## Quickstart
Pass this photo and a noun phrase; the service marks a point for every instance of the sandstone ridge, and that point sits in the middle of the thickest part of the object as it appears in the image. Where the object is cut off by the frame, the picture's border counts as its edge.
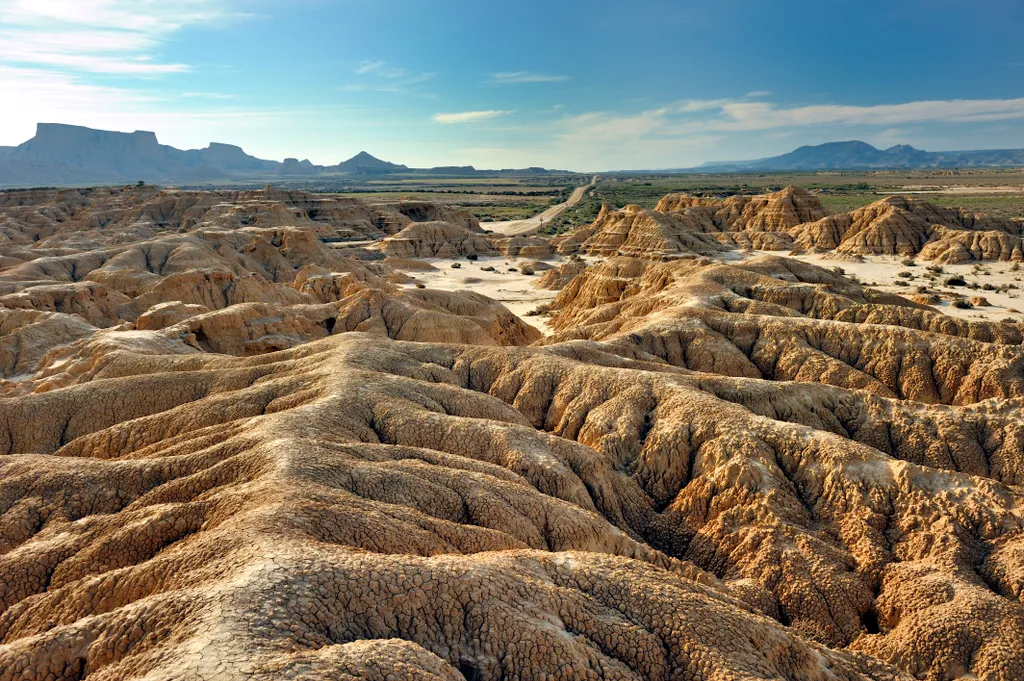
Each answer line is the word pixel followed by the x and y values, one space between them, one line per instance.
pixel 241 439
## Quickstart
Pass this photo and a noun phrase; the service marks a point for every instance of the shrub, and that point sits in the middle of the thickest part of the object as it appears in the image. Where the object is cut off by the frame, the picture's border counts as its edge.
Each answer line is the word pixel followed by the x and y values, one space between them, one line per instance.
pixel 962 304
pixel 937 269
pixel 472 256
pixel 905 275
pixel 988 287
pixel 909 262
pixel 956 280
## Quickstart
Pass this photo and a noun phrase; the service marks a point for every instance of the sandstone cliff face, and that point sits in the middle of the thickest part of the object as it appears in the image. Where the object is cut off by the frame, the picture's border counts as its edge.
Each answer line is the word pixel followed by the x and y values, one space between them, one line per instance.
pixel 903 226
pixel 778 319
pixel 558 278
pixel 308 508
pixel 684 225
pixel 221 286
pixel 793 218
pixel 448 240
pixel 45 218
pixel 776 212
pixel 436 240
pixel 643 233
pixel 955 246
pixel 229 451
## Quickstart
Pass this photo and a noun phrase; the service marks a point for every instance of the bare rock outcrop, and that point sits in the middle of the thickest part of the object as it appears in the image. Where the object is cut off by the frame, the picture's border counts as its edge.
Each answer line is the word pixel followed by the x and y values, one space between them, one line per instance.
pixel 232 447
pixel 775 212
pixel 903 226
pixel 436 240
pixel 778 319
pixel 642 233
pixel 558 278
pixel 956 246
pixel 656 515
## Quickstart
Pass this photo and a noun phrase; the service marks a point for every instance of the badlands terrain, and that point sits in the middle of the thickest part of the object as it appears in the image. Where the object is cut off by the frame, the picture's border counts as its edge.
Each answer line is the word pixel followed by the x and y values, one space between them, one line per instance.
pixel 276 435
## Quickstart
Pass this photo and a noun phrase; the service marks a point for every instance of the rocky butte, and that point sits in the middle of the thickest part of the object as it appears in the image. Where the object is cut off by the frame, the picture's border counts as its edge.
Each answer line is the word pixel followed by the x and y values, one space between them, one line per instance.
pixel 249 435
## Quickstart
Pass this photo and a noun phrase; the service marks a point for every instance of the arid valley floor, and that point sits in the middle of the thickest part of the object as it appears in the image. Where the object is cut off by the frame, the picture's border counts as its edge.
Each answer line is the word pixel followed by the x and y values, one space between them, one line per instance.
pixel 273 434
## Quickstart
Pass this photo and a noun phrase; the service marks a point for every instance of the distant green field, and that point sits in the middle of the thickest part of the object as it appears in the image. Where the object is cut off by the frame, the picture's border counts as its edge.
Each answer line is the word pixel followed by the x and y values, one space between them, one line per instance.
pixel 838 192
pixel 508 197
pixel 489 198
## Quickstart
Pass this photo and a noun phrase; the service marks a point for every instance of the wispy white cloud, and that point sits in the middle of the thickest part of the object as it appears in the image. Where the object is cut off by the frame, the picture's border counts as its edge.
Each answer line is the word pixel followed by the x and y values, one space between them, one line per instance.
pixel 758 94
pixel 207 95
pixel 120 37
pixel 145 16
pixel 380 68
pixel 514 77
pixel 765 116
pixel 468 116
pixel 681 134
pixel 719 116
pixel 692 105
pixel 382 76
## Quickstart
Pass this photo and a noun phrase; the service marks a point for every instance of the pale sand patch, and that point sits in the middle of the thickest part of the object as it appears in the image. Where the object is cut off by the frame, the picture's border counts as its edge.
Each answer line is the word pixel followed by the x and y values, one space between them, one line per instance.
pixel 515 290
pixel 880 271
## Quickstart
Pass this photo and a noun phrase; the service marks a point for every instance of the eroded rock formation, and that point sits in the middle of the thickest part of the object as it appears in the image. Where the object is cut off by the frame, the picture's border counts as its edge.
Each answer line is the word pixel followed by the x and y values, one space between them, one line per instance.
pixel 230 450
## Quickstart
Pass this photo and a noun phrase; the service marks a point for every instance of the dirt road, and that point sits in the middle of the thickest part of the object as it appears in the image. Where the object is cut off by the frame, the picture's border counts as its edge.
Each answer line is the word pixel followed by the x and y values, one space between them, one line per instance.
pixel 531 225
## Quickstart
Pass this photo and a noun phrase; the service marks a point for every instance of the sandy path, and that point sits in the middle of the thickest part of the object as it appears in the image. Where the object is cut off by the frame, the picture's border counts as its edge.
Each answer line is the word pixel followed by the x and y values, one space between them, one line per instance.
pixel 531 225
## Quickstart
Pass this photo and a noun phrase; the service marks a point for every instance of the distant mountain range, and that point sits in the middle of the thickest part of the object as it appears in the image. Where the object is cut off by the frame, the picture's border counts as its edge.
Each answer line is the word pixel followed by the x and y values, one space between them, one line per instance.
pixel 856 155
pixel 71 155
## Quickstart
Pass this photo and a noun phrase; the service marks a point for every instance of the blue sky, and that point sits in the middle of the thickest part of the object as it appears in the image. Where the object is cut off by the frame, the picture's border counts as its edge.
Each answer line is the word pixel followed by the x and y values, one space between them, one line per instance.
pixel 592 85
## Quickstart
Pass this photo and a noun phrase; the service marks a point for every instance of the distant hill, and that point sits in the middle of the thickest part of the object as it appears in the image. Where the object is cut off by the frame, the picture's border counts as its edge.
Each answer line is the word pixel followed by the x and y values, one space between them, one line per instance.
pixel 364 163
pixel 855 155
pixel 73 155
